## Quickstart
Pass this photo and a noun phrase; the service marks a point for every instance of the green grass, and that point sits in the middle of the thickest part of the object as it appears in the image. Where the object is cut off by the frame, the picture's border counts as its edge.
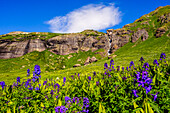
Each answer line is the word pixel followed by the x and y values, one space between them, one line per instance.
pixel 150 49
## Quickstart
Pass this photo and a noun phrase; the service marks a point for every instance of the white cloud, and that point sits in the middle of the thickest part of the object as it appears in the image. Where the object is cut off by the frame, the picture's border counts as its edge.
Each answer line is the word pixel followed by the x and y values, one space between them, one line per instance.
pixel 92 16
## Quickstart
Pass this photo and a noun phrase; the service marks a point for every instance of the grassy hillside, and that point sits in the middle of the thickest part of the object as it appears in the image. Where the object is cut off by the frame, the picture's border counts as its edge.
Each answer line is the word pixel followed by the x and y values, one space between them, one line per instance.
pixel 52 65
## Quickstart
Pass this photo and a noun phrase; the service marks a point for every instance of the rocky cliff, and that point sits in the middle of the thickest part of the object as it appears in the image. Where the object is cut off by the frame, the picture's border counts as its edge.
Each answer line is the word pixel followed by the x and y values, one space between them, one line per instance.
pixel 62 45
pixel 154 24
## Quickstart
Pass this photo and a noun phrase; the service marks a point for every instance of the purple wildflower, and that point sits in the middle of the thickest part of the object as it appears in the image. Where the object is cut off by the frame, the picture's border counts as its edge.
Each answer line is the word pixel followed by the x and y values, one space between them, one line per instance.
pixel 31 88
pixel 44 82
pixel 131 63
pixel 122 68
pixel 64 80
pixel 89 78
pixel 134 92
pixel 105 65
pixel 97 83
pixel 163 55
pixel 18 79
pixel 148 89
pixel 155 96
pixel 111 62
pixel 2 84
pixel 67 99
pixel 28 72
pixel 142 59
pixel 85 102
pixel 74 100
pixel 145 65
pixel 155 62
pixel 37 88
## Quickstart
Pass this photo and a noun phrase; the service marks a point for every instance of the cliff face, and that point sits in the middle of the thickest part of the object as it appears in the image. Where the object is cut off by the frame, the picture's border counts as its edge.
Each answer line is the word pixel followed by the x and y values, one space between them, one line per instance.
pixel 62 45
pixel 154 24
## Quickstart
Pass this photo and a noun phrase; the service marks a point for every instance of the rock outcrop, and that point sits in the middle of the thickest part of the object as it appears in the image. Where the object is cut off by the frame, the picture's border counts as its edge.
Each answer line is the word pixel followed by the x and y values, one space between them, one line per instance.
pixel 118 38
pixel 142 33
pixel 90 60
pixel 62 45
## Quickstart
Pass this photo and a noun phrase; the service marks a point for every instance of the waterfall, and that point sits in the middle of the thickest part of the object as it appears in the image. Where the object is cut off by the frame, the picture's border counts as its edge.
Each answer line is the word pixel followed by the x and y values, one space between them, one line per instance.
pixel 109 47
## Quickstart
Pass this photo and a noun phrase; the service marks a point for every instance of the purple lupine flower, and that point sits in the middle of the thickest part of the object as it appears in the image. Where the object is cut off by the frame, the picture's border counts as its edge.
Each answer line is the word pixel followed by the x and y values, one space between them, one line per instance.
pixel 105 73
pixel 148 81
pixel 14 84
pixel 155 96
pixel 18 79
pixel 145 65
pixel 29 80
pixel 163 55
pixel 56 97
pixel 138 75
pixel 44 82
pixel 64 80
pixel 131 63
pixel 72 76
pixel 74 100
pixel 122 68
pixel 155 62
pixel 85 102
pixel 112 67
pixel 105 65
pixel 28 72
pixel 57 109
pixel 124 78
pixel 37 88
pixel 31 88
pixel 39 85
pixel 89 78
pixel 52 92
pixel 111 62
pixel 148 89
pixel 33 79
pixel 2 84
pixel 94 73
pixel 97 83
pixel 63 109
pixel 127 69
pixel 85 110
pixel 78 75
pixel 142 59
pixel 134 92
pixel 118 68
pixel 67 99
pixel 141 83
pixel 37 70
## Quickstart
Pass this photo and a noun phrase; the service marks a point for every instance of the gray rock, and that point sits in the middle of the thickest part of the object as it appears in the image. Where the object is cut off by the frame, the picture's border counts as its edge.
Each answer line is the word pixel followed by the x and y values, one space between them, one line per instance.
pixel 143 34
pixel 93 59
pixel 77 65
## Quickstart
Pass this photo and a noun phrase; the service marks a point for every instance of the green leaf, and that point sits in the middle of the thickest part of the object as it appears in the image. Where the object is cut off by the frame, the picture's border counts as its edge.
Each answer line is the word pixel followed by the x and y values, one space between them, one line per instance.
pixel 150 109
pixel 154 107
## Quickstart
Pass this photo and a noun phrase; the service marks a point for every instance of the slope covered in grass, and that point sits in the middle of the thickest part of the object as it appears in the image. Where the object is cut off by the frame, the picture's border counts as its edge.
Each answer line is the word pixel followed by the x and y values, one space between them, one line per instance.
pixel 52 65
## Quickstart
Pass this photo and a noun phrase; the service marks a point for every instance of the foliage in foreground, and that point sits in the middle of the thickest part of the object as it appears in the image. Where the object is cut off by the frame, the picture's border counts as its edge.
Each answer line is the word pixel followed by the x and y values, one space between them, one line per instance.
pixel 142 88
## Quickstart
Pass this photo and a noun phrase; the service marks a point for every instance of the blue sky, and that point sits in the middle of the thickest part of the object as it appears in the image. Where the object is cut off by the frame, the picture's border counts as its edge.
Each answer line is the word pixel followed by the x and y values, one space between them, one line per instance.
pixel 71 15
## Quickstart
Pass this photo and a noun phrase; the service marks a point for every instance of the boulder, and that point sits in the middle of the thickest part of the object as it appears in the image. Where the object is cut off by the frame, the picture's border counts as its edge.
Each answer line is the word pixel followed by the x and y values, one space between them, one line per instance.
pixel 77 65
pixel 93 59
pixel 87 61
pixel 160 31
pixel 141 33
